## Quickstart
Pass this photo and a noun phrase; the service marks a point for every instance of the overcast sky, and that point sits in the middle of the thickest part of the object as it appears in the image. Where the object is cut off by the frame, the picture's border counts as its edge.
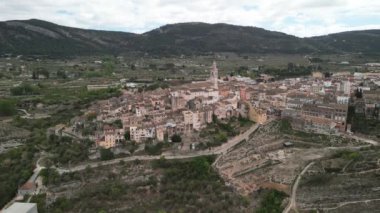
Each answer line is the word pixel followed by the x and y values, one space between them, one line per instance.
pixel 296 17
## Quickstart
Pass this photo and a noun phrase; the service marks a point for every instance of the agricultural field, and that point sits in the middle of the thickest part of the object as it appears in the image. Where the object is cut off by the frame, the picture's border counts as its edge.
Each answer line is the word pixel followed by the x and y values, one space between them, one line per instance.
pixel 265 162
pixel 348 181
pixel 145 68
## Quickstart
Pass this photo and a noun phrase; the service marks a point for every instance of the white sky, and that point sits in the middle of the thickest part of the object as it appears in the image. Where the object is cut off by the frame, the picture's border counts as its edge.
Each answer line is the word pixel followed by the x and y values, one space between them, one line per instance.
pixel 296 17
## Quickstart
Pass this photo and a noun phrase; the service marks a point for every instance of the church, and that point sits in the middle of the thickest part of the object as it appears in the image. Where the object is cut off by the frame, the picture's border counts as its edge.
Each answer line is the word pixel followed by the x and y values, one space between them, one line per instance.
pixel 205 92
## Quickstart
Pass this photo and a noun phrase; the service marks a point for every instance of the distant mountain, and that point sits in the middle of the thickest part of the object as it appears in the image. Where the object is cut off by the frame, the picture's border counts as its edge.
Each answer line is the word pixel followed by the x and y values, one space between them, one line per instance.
pixel 365 41
pixel 41 37
pixel 201 37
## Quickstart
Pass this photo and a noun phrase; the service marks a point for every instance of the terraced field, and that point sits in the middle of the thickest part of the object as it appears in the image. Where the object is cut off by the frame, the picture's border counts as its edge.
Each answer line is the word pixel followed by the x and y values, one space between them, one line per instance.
pixel 345 183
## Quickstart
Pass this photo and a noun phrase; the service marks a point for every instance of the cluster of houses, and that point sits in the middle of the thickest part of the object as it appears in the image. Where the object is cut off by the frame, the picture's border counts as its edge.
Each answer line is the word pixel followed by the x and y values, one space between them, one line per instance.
pixel 161 113
pixel 315 103
pixel 321 104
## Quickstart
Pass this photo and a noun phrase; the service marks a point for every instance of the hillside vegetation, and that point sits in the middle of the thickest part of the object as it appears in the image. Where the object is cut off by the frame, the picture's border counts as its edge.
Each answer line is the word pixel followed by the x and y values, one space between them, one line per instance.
pixel 41 37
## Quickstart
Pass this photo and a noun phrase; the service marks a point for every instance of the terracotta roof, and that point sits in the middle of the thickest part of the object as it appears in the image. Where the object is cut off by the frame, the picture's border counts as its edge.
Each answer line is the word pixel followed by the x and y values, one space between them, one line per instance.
pixel 108 127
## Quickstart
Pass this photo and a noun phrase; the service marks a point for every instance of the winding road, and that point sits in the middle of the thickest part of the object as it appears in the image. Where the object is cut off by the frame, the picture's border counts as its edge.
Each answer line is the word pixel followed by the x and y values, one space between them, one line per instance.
pixel 292 204
pixel 224 148
pixel 216 151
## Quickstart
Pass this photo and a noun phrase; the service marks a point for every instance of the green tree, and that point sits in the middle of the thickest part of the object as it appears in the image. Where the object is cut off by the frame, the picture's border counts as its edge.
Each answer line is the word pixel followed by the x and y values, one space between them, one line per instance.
pixel 61 74
pixel 272 202
pixel 201 166
pixel 127 136
pixel 7 107
pixel 106 154
pixel 154 149
pixel 214 118
pixel 49 176
pixel 176 138
pixel 118 124
pixel 34 75
pixel 221 138
pixel 109 66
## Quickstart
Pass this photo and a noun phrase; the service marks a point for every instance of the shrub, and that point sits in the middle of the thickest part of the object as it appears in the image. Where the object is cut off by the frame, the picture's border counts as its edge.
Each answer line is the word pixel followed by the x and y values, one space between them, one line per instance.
pixel 285 126
pixel 24 89
pixel 7 107
pixel 118 124
pixel 154 149
pixel 221 138
pixel 272 202
pixel 348 155
pixel 106 154
pixel 49 176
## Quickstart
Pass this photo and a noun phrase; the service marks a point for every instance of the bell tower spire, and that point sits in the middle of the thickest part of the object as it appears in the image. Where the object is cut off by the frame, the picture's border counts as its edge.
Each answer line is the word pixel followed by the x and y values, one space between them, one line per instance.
pixel 214 75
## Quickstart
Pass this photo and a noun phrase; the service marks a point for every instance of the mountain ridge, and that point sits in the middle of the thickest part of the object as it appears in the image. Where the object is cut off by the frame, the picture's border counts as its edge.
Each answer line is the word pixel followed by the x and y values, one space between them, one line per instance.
pixel 35 36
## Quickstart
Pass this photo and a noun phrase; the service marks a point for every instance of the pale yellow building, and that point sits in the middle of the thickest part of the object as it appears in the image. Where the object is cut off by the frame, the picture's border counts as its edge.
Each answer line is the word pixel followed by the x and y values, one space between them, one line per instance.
pixel 317 74
pixel 257 115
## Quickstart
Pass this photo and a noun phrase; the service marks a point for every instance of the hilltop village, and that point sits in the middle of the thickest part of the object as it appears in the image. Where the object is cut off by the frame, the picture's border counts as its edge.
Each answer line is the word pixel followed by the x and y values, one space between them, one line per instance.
pixel 173 106
pixel 319 103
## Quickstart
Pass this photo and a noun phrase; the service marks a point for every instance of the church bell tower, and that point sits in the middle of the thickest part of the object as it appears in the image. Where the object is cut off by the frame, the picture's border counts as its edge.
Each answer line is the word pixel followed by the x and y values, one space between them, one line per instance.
pixel 214 75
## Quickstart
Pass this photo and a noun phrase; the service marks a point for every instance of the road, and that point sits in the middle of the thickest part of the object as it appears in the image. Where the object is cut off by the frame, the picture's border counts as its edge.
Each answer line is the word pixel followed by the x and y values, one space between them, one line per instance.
pixel 32 179
pixel 216 151
pixel 235 140
pixel 24 111
pixel 341 204
pixel 366 140
pixel 129 159
pixel 292 203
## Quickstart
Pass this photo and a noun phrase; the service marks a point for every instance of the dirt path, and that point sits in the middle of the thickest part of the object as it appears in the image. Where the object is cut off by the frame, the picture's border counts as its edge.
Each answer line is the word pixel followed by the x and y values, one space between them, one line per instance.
pixel 344 204
pixel 292 204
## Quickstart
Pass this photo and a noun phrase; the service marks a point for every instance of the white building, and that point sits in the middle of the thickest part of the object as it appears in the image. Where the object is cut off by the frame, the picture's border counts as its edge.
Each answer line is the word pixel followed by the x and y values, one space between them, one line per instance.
pixel 342 99
pixel 327 83
pixel 140 111
pixel 347 87
pixel 22 208
pixel 139 134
